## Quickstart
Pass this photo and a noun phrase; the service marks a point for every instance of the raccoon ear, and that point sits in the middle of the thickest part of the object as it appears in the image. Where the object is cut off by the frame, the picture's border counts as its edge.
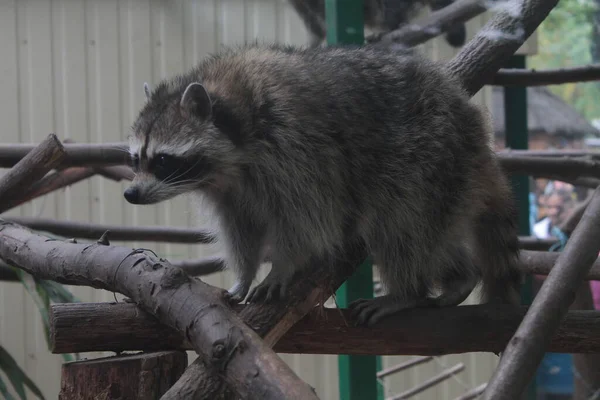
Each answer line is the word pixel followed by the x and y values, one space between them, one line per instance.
pixel 195 101
pixel 147 91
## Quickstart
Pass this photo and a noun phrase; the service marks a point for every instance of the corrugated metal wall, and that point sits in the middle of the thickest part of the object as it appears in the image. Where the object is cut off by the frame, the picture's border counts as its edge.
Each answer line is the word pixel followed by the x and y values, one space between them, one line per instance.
pixel 76 67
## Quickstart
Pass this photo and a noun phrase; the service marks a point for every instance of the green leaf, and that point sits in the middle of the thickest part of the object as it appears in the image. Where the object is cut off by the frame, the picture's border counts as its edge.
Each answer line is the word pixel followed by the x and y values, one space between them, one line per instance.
pixel 57 292
pixel 17 376
pixel 42 291
pixel 4 390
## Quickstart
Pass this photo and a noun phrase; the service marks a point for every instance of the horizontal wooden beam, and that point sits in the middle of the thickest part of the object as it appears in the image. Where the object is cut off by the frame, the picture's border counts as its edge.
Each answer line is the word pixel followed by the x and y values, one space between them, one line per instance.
pixel 83 327
pixel 86 230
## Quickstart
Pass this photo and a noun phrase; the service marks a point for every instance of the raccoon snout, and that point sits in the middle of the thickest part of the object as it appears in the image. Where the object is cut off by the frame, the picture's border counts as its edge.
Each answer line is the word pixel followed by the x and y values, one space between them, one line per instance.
pixel 132 195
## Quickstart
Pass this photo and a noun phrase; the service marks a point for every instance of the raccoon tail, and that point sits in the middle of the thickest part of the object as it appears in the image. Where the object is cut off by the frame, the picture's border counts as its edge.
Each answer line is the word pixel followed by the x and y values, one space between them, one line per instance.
pixel 497 246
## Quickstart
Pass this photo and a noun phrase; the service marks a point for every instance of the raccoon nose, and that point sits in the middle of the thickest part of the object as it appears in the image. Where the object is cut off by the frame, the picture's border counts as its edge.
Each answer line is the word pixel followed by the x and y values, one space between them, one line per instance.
pixel 132 195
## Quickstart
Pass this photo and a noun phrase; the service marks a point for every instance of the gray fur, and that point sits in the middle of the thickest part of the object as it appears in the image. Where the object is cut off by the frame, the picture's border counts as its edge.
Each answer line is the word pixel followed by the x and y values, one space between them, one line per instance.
pixel 379 16
pixel 305 149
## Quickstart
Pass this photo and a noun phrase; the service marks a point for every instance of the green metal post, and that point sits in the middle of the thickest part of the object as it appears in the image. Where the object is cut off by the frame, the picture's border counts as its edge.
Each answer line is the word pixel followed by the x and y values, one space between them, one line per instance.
pixel 517 137
pixel 357 374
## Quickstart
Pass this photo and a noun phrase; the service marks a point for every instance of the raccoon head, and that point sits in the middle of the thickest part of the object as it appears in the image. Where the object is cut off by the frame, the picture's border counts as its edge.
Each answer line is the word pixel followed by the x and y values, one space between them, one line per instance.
pixel 176 146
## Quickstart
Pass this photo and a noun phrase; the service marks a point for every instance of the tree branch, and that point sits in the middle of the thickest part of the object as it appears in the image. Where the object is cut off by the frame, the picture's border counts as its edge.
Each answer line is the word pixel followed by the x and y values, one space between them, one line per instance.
pixel 566 167
pixel 194 267
pixel 33 166
pixel 435 24
pixel 480 59
pixel 429 331
pixel 77 154
pixel 192 307
pixel 531 77
pixel 83 230
pixel 524 352
pixel 66 177
pixel 562 153
pixel 317 283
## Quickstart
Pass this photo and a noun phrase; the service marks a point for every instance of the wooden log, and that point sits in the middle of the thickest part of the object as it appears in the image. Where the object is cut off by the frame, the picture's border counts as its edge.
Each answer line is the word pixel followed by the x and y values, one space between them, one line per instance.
pixel 223 341
pixel 136 376
pixel 33 166
pixel 83 327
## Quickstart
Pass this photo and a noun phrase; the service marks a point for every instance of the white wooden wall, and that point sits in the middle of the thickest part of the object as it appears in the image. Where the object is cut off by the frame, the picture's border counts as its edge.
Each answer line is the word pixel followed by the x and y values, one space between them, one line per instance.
pixel 76 68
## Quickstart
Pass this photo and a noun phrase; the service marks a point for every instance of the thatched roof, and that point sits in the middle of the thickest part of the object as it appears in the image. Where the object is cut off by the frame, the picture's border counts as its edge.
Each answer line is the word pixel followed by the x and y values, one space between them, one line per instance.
pixel 547 113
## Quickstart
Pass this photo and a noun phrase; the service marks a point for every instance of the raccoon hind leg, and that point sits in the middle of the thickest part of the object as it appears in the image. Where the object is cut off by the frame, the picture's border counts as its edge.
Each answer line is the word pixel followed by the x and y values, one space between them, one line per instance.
pixel 457 277
pixel 400 263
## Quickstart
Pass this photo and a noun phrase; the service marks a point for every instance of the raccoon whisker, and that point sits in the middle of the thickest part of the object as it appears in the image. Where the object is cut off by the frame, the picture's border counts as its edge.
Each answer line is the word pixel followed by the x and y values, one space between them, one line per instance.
pixel 167 180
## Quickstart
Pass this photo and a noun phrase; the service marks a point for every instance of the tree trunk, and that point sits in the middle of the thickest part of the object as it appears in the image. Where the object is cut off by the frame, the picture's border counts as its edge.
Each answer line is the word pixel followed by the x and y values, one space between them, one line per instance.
pixel 137 376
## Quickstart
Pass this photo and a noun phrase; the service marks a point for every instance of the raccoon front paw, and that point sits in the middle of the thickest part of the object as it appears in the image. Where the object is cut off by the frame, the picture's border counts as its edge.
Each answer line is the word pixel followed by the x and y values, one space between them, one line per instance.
pixel 368 312
pixel 270 289
pixel 237 293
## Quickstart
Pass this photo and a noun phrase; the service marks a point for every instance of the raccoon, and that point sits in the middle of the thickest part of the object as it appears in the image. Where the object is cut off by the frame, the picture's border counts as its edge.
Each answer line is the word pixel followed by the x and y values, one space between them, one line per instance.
pixel 379 16
pixel 302 150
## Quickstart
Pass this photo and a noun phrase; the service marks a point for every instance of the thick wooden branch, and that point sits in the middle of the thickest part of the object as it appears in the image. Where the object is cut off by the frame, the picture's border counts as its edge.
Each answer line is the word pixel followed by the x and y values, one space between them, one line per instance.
pixel 193 267
pixel 225 343
pixel 272 320
pixel 553 167
pixel 526 349
pixel 81 230
pixel 77 154
pixel 463 329
pixel 510 26
pixel 588 154
pixel 531 77
pixel 123 327
pixel 31 167
pixel 435 24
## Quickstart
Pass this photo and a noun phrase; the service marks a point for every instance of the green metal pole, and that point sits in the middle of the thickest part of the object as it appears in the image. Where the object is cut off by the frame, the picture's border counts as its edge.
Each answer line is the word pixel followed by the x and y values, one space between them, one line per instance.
pixel 357 374
pixel 517 137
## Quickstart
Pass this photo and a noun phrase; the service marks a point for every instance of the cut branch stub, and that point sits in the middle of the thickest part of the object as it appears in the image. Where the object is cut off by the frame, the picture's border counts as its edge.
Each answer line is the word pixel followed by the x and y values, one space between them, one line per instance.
pixel 34 165
pixel 189 305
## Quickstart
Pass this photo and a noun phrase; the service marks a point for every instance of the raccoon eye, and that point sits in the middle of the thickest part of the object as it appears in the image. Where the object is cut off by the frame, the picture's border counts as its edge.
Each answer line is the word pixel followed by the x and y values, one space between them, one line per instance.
pixel 163 165
pixel 162 161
